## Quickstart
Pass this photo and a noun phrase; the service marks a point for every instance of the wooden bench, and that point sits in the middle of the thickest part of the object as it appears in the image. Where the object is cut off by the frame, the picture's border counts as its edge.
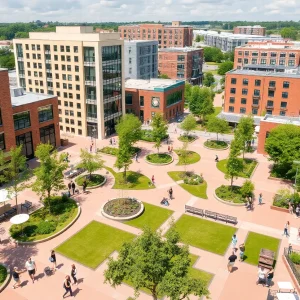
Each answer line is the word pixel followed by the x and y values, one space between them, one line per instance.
pixel 27 205
pixel 210 214
pixel 232 219
pixel 194 210
pixel 222 217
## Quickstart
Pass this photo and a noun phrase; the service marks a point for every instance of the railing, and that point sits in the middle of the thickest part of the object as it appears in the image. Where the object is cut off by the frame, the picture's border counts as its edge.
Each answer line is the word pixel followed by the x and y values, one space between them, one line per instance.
pixel 291 264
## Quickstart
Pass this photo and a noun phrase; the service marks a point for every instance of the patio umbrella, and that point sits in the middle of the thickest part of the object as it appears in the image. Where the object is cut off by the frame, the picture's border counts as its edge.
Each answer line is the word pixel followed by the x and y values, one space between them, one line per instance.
pixel 4 196
pixel 19 220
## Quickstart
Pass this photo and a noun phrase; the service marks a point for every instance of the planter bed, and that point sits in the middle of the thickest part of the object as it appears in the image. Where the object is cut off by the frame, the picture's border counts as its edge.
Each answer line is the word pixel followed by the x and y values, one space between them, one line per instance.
pixel 95 181
pixel 233 196
pixel 187 138
pixel 216 145
pixel 147 136
pixel 114 151
pixel 159 159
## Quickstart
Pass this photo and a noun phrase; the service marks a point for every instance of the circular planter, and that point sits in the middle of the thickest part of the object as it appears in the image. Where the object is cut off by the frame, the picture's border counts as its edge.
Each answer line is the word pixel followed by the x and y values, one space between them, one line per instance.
pixel 159 164
pixel 123 218
pixel 95 186
pixel 192 141
pixel 7 279
pixel 215 149
pixel 227 202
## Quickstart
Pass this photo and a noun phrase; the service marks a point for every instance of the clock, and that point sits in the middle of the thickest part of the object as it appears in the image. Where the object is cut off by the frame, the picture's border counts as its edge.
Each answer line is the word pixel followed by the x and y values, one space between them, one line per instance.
pixel 155 102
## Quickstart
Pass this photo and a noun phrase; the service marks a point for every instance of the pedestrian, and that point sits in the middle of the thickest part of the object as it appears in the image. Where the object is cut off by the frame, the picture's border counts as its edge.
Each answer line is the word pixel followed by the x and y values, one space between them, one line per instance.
pixel 217 158
pixel 114 141
pixel 290 249
pixel 261 275
pixel 234 242
pixel 169 149
pixel 153 180
pixel 67 286
pixel 70 185
pixel 270 276
pixel 260 199
pixel 297 211
pixel 73 187
pixel 286 229
pixel 290 208
pixel 253 142
pixel 16 277
pixel 136 157
pixel 231 260
pixel 242 251
pixel 250 203
pixel 110 141
pixel 91 148
pixel 175 131
pixel 31 268
pixel 84 185
pixel 170 193
pixel 52 259
pixel 74 274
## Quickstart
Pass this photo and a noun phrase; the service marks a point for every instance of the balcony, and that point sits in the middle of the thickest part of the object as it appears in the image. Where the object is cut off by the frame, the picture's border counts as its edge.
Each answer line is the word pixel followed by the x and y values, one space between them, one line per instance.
pixel 112 98
pixel 50 88
pixel 22 75
pixel 48 61
pixel 91 101
pixel 91 118
pixel 49 79
pixel 49 71
pixel 90 80
pixel 283 108
pixel 269 106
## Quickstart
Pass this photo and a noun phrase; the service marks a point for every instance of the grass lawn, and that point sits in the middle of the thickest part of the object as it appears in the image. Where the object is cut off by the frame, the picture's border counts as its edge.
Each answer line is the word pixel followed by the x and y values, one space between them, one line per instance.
pixel 249 166
pixel 214 72
pixel 192 158
pixel 203 234
pixel 135 181
pixel 176 175
pixel 114 151
pixel 212 63
pixel 93 244
pixel 255 242
pixel 186 138
pixel 159 158
pixel 153 217
pixel 214 144
pixel 95 180
pixel 3 274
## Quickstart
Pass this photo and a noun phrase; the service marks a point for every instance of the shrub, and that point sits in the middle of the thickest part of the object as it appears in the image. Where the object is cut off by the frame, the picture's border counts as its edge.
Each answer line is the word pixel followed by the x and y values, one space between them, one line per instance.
pixel 247 188
pixel 230 194
pixel 94 180
pixel 193 179
pixel 45 227
pixel 282 198
pixel 295 258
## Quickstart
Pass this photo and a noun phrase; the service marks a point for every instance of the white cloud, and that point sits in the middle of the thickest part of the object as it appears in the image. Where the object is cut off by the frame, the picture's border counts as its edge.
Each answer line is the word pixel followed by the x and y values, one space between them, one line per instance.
pixel 253 9
pixel 168 2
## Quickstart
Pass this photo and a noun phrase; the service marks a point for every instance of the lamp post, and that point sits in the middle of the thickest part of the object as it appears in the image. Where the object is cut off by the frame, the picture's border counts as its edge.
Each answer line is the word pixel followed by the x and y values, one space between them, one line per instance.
pixel 296 162
pixel 94 134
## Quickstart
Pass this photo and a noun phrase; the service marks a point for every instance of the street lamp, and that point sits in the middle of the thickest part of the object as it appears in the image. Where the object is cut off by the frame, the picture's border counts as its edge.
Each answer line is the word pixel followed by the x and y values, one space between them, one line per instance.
pixel 296 162
pixel 94 134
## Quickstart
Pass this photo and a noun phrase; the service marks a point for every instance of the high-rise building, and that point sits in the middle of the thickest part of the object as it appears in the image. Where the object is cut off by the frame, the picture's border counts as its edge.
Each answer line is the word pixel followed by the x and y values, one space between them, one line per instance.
pixel 141 59
pixel 181 63
pixel 83 68
pixel 175 35
pixel 251 30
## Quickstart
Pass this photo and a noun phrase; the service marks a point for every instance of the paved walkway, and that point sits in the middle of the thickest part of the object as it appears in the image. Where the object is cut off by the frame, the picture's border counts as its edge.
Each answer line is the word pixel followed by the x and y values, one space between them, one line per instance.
pixel 238 285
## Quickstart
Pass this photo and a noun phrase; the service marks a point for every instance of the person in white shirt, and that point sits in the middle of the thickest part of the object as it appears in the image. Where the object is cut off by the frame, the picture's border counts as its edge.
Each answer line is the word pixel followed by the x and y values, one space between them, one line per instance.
pixel 261 275
pixel 31 268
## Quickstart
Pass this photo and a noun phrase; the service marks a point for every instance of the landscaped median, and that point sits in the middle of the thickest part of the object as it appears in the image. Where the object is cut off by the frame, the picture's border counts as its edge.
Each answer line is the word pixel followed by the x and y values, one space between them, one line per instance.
pixel 216 145
pixel 4 276
pixel 192 183
pixel 159 159
pixel 231 195
pixel 147 136
pixel 187 138
pixel 249 167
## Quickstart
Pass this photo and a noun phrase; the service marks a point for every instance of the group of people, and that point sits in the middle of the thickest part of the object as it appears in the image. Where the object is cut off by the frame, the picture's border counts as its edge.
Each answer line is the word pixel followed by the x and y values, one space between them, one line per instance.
pixel 112 141
pixel 31 268
pixel 233 257
pixel 265 276
pixel 72 187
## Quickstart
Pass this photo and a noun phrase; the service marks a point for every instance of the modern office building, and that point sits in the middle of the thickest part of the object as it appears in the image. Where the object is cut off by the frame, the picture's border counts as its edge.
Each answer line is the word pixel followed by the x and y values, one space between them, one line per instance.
pixel 181 63
pixel 259 93
pixel 175 35
pixel 141 59
pixel 26 119
pixel 228 41
pixel 267 56
pixel 83 68
pixel 145 98
pixel 250 30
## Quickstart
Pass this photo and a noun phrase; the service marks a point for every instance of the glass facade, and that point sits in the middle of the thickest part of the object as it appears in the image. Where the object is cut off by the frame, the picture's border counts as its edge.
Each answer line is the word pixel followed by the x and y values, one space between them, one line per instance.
pixel 26 140
pixel 45 113
pixel 2 141
pixel 174 98
pixel 89 54
pixel 47 135
pixel 22 120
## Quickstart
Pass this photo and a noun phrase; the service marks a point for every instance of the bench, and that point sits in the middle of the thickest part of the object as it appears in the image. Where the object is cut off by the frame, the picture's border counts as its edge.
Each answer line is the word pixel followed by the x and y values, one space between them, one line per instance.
pixel 222 217
pixel 232 219
pixel 210 214
pixel 194 210
pixel 10 212
pixel 27 205
pixel 2 218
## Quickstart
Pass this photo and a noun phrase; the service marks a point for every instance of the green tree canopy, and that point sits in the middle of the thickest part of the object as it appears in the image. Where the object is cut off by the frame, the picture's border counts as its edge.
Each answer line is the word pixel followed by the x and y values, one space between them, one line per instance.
pixel 217 125
pixel 198 38
pixel 289 32
pixel 224 67
pixel 188 124
pixel 233 167
pixel 209 79
pixel 90 162
pixel 245 131
pixel 7 59
pixel 157 264
pixel 159 129
pixel 187 92
pixel 213 54
pixel 163 76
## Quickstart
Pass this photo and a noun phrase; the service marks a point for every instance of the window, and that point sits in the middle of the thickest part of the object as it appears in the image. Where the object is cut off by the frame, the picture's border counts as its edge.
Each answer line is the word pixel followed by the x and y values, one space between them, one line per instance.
pixel 47 135
pixel 269 112
pixel 171 99
pixel 63 58
pixel 254 61
pixel 79 114
pixel 45 113
pixel 70 96
pixel 285 95
pixel 254 111
pixel 243 101
pixel 79 123
pixel 141 100
pixel 283 105
pixel 128 99
pixel 232 91
pixel 76 77
pixel 282 113
pixel 245 81
pixel 246 60
pixel 244 91
pixel 242 110
pixel 239 60
pixel 233 80
pixel 78 106
pixel 2 141
pixel 264 54
pixel 68 48
pixel 77 87
pixel 76 58
pixel 75 48
pixel 77 96
pixel 263 61
pixel 69 68
pixel 257 82
pixel 270 103
pixel 231 108
pixel 246 53
pixel 231 100
pixel 32 47
pixel 273 54
pixel 271 93
pixel 272 62
pixel 291 63
pixel 76 68
pixel 62 48
pixel 130 60
pixel 55 47
pixel 286 85
pixel 292 55
pixel 255 102
pixel 66 103
pixel 57 85
pixel 281 62
pixel 257 93
pixel 22 120
pixel 282 54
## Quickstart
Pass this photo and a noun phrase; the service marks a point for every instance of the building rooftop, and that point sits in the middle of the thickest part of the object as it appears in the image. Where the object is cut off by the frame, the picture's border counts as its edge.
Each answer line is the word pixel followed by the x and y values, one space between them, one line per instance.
pixel 293 73
pixel 128 42
pixel 282 120
pixel 19 97
pixel 287 46
pixel 152 84
pixel 235 118
pixel 254 26
pixel 178 49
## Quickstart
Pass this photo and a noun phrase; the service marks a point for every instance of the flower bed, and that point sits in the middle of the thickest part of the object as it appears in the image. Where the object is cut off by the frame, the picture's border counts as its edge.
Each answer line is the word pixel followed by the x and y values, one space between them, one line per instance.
pixel 217 145
pixel 230 194
pixel 92 181
pixel 193 179
pixel 159 158
pixel 147 136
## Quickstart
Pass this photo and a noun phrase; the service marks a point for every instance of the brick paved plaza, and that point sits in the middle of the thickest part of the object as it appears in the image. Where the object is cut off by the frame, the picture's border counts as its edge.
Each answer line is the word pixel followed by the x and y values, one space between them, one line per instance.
pixel 241 284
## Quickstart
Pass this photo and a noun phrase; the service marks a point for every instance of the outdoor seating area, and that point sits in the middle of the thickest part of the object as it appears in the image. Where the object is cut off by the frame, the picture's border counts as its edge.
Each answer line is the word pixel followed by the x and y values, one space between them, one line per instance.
pixel 27 205
pixel 73 172
pixel 285 291
pixel 8 214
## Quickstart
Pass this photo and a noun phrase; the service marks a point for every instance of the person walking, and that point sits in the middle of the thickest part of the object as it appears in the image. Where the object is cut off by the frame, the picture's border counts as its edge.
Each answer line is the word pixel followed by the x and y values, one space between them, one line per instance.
pixel 270 276
pixel 297 211
pixel 110 141
pixel 286 229
pixel 153 180
pixel 234 242
pixel 290 249
pixel 70 186
pixel 290 208
pixel 91 148
pixel 170 193
pixel 16 277
pixel 261 275
pixel 73 187
pixel 67 286
pixel 84 185
pixel 52 259
pixel 242 251
pixel 31 268
pixel 217 158
pixel 260 199
pixel 231 260
pixel 74 274
pixel 169 149
pixel 136 157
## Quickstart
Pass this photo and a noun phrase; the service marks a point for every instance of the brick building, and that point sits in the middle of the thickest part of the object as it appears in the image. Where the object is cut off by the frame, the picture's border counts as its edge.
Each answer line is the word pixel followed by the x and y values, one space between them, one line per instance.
pixel 175 35
pixel 252 30
pixel 259 93
pixel 27 118
pixel 181 63
pixel 267 56
pixel 144 98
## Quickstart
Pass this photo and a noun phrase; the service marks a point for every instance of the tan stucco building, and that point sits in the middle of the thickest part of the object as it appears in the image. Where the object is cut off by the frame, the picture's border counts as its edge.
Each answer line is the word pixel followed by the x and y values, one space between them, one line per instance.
pixel 83 68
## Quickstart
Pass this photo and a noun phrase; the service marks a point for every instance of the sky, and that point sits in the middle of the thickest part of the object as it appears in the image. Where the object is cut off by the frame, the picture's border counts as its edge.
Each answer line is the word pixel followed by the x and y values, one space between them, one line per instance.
pixel 148 10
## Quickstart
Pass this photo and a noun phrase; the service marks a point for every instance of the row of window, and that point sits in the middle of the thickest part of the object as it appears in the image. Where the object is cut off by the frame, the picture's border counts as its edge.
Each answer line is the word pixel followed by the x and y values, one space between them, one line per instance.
pixel 70 113
pixel 263 61
pixel 272 54
pixel 254 111
pixel 69 104
pixel 70 121
pixel 256 93
pixel 257 82
pixel 270 103
pixel 70 129
pixel 170 31
pixel 62 48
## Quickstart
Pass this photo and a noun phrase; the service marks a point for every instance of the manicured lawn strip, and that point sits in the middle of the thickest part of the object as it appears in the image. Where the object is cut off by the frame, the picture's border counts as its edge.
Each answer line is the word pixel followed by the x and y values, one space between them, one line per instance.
pixel 153 217
pixel 196 190
pixel 3 274
pixel 192 158
pixel 186 138
pixel 176 175
pixel 212 63
pixel 249 166
pixel 255 242
pixel 93 244
pixel 159 158
pixel 95 179
pixel 214 144
pixel 203 234
pixel 135 181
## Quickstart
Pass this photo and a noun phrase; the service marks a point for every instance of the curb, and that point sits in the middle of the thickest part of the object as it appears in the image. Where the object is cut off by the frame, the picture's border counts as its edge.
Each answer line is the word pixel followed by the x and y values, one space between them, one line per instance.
pixel 8 278
pixel 222 149
pixel 254 170
pixel 282 209
pixel 52 236
pixel 227 202
pixel 280 179
pixel 162 164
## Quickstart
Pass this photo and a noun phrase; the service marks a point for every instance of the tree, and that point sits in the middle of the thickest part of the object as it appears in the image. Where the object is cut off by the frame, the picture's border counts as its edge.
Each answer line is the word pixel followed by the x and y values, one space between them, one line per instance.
pixel 16 172
pixel 159 129
pixel 236 147
pixel 229 56
pixel 247 188
pixel 7 59
pixel 157 264
pixel 217 125
pixel 225 67
pixel 49 174
pixel 90 162
pixel 212 54
pixel 201 102
pixel 22 35
pixel 163 76
pixel 124 157
pixel 187 92
pixel 233 167
pixel 245 131
pixel 198 38
pixel 188 124
pixel 289 32
pixel 184 154
pixel 209 79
